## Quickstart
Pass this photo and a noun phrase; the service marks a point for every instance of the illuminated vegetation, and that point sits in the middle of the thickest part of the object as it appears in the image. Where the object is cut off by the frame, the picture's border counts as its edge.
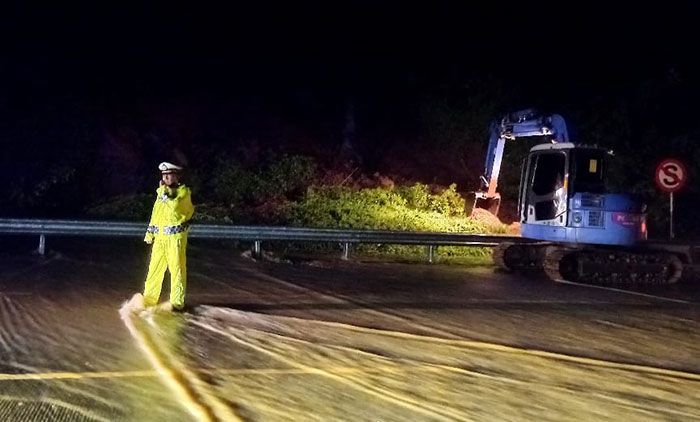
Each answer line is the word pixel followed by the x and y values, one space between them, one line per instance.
pixel 285 192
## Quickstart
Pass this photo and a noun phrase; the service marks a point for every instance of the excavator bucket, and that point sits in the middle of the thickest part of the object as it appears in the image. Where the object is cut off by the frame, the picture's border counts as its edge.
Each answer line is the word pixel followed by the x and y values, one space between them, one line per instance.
pixel 490 203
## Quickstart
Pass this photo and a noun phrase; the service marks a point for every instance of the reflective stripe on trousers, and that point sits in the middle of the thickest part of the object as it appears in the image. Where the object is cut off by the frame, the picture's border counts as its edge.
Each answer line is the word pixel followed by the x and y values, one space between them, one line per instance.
pixel 168 252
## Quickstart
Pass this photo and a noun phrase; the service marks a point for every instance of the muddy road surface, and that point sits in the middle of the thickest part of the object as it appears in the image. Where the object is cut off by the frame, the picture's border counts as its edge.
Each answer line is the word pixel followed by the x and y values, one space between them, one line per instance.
pixel 327 340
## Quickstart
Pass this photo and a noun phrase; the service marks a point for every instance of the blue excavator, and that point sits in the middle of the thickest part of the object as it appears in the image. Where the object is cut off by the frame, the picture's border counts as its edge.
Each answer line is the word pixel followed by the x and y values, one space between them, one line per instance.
pixel 572 226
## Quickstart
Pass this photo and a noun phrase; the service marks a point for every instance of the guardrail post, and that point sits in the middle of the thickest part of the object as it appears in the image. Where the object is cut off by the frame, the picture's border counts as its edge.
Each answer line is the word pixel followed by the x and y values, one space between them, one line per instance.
pixel 257 249
pixel 346 251
pixel 431 253
pixel 42 245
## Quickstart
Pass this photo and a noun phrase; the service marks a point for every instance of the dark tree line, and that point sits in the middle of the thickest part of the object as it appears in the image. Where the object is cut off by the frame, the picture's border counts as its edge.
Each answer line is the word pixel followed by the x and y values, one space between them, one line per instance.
pixel 63 153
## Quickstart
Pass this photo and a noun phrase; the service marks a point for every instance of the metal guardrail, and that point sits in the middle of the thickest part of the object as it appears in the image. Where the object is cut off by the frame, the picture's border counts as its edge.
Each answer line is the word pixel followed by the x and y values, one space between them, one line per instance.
pixel 255 234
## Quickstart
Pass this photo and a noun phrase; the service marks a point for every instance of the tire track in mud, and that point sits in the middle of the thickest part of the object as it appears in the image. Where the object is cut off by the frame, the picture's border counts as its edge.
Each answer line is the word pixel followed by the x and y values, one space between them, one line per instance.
pixel 36 324
pixel 29 322
pixel 629 292
pixel 11 338
pixel 355 383
pixel 228 286
pixel 28 409
pixel 44 325
pixel 447 335
pixel 281 329
pixel 460 334
pixel 33 266
pixel 342 300
pixel 193 392
pixel 567 390
pixel 406 366
pixel 34 332
pixel 461 343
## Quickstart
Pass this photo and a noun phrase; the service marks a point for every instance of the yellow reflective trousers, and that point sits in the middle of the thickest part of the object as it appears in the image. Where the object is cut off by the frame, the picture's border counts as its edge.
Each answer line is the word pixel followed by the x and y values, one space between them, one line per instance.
pixel 167 231
pixel 168 253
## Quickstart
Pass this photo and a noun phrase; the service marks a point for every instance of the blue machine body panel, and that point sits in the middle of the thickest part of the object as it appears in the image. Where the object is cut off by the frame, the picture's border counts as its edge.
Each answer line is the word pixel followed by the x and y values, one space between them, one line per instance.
pixel 602 219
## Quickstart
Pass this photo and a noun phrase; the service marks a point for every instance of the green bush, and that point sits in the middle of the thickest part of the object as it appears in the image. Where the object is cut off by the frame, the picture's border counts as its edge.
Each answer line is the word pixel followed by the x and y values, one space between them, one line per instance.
pixel 244 196
pixel 211 213
pixel 286 176
pixel 289 174
pixel 448 202
pixel 416 196
pixel 230 183
pixel 404 208
pixel 408 209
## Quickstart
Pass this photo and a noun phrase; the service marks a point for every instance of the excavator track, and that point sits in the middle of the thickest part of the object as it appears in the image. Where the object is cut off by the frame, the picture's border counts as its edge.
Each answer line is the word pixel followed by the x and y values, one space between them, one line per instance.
pixel 611 267
pixel 511 256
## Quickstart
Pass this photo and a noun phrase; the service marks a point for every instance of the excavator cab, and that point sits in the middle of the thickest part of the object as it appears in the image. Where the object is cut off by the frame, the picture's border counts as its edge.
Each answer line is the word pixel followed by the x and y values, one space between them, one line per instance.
pixel 564 197
pixel 543 197
pixel 552 173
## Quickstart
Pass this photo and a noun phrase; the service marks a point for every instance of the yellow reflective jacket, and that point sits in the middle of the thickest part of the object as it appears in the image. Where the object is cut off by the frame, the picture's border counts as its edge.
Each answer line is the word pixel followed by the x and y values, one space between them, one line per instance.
pixel 173 207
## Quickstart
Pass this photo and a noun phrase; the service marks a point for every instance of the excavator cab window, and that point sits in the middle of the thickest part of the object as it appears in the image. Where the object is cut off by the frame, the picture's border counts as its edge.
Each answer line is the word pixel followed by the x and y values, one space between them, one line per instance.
pixel 588 169
pixel 547 194
pixel 549 173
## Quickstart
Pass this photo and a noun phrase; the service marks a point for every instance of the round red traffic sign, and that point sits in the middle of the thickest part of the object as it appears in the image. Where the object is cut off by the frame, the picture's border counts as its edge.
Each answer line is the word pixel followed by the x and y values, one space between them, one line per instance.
pixel 671 175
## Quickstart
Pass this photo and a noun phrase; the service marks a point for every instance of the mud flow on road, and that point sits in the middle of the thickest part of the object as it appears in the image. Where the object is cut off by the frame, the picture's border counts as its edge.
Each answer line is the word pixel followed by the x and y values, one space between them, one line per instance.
pixel 333 340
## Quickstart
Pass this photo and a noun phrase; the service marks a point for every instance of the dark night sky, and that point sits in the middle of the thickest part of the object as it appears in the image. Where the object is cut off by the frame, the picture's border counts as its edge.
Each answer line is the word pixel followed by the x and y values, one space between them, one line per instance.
pixel 554 50
pixel 113 89
pixel 300 63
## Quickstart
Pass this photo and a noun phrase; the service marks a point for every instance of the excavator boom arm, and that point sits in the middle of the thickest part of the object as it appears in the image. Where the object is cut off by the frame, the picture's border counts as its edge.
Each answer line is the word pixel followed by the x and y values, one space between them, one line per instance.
pixel 521 124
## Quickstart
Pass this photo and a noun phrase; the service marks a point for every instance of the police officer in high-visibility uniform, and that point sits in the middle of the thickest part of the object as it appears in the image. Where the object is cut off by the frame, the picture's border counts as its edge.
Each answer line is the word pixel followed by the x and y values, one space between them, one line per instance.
pixel 167 231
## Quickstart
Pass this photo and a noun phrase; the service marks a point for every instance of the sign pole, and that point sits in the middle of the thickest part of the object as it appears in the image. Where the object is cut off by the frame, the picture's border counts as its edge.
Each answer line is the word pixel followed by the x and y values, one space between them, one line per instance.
pixel 671 219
